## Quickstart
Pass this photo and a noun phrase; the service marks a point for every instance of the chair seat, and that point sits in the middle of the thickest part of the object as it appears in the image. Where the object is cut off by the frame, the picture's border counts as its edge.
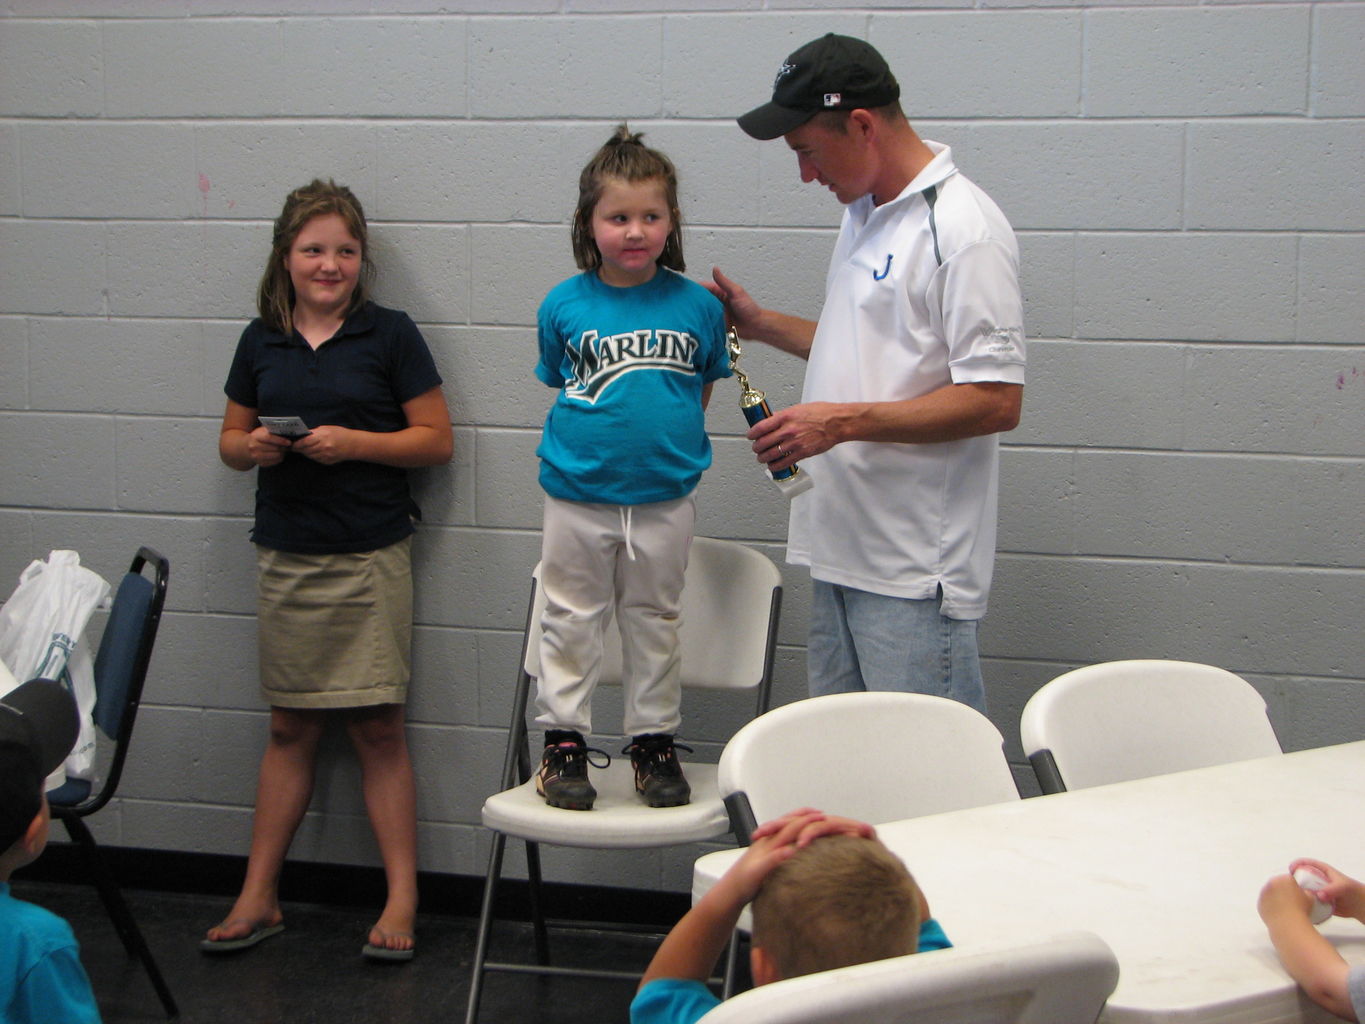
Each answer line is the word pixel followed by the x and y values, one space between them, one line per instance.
pixel 69 793
pixel 619 819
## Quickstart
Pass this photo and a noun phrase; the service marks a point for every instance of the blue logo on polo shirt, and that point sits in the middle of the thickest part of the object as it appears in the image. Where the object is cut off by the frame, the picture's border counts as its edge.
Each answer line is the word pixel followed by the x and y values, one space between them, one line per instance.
pixel 886 270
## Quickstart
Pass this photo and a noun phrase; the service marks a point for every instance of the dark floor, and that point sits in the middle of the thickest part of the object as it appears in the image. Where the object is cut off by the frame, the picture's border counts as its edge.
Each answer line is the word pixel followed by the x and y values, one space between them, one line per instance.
pixel 313 971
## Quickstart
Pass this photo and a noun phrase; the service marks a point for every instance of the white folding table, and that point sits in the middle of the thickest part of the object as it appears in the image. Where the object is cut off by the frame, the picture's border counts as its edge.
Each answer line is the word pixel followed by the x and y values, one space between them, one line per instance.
pixel 1165 869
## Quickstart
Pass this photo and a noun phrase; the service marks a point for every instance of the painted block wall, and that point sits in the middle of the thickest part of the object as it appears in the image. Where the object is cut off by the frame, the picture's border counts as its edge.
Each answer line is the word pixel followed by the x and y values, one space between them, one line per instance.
pixel 1184 179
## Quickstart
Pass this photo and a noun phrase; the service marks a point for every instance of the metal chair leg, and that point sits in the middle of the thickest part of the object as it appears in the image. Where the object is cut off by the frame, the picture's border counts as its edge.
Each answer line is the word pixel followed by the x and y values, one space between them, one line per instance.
pixel 490 886
pixel 124 923
pixel 731 964
pixel 533 880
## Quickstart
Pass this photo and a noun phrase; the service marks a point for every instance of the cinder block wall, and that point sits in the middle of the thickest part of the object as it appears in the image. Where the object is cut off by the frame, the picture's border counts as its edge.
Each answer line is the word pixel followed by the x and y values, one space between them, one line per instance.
pixel 1185 180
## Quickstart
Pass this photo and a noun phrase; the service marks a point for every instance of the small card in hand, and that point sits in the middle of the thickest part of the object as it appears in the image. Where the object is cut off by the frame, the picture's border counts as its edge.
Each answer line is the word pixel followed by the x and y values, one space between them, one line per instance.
pixel 285 426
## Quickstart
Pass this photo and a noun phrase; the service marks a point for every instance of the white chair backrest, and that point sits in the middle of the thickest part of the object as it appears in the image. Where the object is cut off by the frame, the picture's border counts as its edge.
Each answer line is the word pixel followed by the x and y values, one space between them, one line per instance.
pixel 1123 720
pixel 725 618
pixel 872 756
pixel 1064 979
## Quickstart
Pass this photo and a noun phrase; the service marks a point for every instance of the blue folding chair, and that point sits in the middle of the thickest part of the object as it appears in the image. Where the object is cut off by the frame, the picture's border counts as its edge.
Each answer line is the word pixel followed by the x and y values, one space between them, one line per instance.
pixel 120 671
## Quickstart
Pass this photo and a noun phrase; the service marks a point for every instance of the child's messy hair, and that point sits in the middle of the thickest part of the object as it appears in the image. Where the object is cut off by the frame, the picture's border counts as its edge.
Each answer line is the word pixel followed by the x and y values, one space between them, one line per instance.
pixel 626 158
pixel 275 296
pixel 840 901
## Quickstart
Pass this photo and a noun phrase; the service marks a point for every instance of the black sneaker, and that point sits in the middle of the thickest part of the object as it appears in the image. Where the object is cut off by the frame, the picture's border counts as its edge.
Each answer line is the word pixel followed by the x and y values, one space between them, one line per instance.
pixel 563 776
pixel 658 776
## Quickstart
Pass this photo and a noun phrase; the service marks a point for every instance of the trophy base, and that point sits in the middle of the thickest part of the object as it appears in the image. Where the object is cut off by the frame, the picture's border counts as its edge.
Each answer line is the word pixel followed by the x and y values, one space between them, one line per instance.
pixel 794 485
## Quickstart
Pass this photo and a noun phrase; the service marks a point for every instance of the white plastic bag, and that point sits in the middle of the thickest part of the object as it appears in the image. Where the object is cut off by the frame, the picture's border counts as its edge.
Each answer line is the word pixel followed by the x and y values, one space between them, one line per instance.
pixel 41 627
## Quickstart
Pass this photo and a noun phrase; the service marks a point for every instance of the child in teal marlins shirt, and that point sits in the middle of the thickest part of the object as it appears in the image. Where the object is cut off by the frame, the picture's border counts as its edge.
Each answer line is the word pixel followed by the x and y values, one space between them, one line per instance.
pixel 633 347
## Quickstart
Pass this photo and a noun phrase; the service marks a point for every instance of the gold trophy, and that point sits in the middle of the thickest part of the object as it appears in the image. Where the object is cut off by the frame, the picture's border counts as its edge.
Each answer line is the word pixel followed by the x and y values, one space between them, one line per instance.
pixel 790 481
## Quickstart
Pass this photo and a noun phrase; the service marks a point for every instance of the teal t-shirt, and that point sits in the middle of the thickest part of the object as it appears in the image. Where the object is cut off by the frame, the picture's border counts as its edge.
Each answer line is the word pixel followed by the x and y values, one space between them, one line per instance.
pixel 41 977
pixel 630 363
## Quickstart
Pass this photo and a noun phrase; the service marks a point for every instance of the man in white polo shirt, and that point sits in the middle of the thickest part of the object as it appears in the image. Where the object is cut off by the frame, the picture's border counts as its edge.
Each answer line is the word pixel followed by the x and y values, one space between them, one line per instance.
pixel 914 368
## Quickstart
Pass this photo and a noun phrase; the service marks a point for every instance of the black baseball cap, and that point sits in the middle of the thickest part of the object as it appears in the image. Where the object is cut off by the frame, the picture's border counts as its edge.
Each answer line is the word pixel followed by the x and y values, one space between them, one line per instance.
pixel 41 715
pixel 829 73
pixel 39 724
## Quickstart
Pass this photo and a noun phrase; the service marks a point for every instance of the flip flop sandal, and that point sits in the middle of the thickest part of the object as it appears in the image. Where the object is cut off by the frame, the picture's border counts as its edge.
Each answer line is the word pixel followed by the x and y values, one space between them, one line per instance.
pixel 372 952
pixel 256 935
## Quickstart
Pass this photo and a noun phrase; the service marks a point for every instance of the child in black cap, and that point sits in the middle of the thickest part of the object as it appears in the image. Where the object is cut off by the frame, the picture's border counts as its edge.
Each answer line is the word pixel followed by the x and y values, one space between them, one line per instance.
pixel 41 977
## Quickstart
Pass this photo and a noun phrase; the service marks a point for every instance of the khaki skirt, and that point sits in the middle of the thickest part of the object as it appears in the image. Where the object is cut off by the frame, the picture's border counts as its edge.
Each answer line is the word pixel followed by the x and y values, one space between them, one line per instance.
pixel 335 630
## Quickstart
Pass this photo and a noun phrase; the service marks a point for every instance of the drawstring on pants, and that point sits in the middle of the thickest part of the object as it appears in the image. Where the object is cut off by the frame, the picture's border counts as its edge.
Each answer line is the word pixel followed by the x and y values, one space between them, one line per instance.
pixel 625 528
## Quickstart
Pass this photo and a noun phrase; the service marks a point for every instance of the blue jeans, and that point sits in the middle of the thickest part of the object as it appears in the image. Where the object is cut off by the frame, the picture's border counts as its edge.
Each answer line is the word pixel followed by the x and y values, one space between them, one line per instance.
pixel 864 641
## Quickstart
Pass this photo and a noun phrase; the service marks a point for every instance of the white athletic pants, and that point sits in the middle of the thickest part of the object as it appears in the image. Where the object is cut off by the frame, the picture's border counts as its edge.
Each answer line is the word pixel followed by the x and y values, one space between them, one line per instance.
pixel 600 559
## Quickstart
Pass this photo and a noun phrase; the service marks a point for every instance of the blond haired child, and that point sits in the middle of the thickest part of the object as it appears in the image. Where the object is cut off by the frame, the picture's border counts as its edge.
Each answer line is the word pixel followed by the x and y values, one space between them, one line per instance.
pixel 826 894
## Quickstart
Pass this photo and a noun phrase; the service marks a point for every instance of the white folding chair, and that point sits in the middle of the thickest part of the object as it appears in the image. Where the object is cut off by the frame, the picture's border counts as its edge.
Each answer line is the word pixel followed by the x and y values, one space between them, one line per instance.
pixel 876 757
pixel 731 603
pixel 1122 720
pixel 1064 979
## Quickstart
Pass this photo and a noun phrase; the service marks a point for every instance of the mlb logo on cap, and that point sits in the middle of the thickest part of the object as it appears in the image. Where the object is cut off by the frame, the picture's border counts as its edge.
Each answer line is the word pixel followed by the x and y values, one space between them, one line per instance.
pixel 830 73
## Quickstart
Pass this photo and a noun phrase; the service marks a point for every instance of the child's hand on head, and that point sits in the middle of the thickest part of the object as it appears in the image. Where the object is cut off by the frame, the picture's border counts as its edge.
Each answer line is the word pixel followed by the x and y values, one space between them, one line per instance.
pixel 775 841
pixel 833 825
pixel 777 824
pixel 771 844
pixel 815 824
